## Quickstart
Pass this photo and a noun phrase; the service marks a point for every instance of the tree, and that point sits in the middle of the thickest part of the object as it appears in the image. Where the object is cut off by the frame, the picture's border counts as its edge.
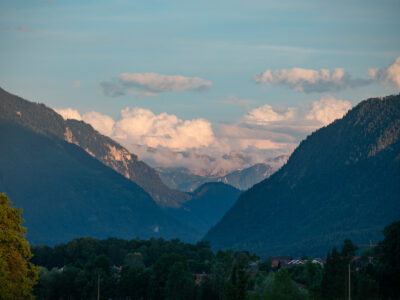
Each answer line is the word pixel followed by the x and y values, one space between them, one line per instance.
pixel 313 278
pixel 160 273
pixel 236 287
pixel 389 262
pixel 283 288
pixel 17 274
pixel 367 289
pixel 335 279
pixel 180 284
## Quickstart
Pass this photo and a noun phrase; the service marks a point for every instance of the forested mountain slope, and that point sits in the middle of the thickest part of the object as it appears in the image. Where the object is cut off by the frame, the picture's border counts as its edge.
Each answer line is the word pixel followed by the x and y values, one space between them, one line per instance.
pixel 46 121
pixel 343 181
pixel 65 193
pixel 206 207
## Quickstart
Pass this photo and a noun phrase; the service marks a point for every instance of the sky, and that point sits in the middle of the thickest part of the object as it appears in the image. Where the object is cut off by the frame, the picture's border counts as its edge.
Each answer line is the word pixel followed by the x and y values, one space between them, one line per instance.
pixel 231 83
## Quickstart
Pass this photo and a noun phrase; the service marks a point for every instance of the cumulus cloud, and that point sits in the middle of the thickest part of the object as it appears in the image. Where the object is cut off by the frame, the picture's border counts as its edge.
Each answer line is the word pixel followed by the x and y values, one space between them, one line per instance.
pixel 309 80
pixel 166 140
pixel 163 130
pixel 389 76
pixel 266 114
pixel 280 129
pixel 102 123
pixel 69 113
pixel 328 109
pixel 151 84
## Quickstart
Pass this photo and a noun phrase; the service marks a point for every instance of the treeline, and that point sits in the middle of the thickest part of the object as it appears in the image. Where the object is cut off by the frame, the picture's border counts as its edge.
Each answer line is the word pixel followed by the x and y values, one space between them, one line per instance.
pixel 161 269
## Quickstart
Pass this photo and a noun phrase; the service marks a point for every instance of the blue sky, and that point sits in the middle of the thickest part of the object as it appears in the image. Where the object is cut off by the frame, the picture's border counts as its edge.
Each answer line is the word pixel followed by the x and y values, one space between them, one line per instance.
pixel 59 52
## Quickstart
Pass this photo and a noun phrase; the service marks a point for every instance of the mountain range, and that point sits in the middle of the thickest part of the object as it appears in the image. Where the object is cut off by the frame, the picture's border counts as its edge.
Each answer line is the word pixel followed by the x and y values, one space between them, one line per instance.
pixel 186 180
pixel 342 181
pixel 46 121
pixel 81 181
pixel 66 193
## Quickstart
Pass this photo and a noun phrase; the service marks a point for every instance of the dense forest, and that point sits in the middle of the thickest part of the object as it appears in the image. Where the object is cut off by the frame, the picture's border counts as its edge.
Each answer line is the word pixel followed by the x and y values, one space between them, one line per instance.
pixel 171 269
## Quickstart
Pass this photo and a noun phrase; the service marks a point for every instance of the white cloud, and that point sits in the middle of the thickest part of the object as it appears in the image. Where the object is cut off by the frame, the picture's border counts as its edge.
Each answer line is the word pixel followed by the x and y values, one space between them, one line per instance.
pixel 266 114
pixel 102 123
pixel 389 76
pixel 69 113
pixel 328 109
pixel 309 80
pixel 151 84
pixel 166 140
pixel 163 130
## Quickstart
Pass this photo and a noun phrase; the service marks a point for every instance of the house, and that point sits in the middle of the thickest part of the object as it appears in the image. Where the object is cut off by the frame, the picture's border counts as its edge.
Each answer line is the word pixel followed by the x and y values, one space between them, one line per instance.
pixel 293 263
pixel 277 261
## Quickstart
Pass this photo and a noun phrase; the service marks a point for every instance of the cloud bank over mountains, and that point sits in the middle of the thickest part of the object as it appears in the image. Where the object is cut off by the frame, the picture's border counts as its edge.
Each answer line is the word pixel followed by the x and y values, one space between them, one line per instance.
pixel 260 134
pixel 263 132
pixel 151 84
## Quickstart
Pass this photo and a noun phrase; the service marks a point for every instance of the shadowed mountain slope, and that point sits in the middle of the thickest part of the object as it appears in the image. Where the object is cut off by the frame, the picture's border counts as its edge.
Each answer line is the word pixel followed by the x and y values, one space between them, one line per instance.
pixel 343 181
pixel 46 121
pixel 206 207
pixel 65 193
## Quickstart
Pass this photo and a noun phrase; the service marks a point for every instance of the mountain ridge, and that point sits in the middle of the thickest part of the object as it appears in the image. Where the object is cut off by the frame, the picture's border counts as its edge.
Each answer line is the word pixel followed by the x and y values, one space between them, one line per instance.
pixel 44 120
pixel 340 182
pixel 66 193
pixel 207 204
pixel 183 179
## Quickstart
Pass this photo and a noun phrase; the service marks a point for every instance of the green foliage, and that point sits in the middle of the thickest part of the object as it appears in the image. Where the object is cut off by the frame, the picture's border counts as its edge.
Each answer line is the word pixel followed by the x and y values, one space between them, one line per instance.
pixel 17 274
pixel 236 287
pixel 367 289
pixel 313 274
pixel 283 288
pixel 160 269
pixel 265 266
pixel 134 282
pixel 180 284
pixel 388 267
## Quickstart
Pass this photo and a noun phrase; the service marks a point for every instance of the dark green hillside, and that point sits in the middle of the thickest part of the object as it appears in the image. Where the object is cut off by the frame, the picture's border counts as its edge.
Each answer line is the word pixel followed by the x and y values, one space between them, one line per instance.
pixel 207 205
pixel 66 193
pixel 46 121
pixel 343 181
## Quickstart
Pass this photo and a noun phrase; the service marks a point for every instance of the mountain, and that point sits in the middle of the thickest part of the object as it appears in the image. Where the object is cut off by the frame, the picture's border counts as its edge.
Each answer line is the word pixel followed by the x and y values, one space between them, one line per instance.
pixel 46 121
pixel 66 193
pixel 246 178
pixel 183 179
pixel 206 207
pixel 343 181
